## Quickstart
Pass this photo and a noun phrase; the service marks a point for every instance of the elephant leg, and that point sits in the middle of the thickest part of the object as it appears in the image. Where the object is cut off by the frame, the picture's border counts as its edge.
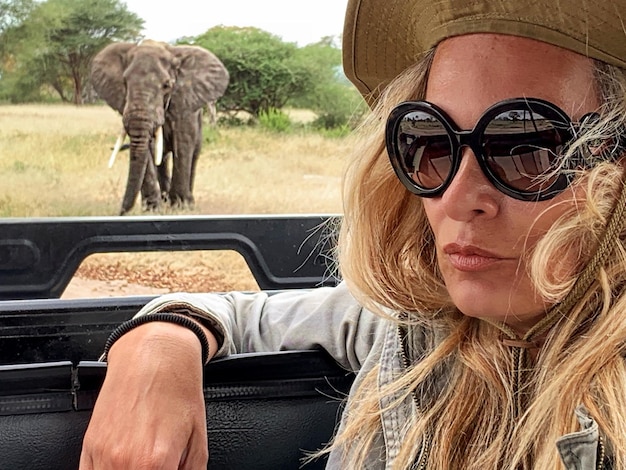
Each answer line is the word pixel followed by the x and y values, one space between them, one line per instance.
pixel 196 154
pixel 188 131
pixel 165 168
pixel 150 190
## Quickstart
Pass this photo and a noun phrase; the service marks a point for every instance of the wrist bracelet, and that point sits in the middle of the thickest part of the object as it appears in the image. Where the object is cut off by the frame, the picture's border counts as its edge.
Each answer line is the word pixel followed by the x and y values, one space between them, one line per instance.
pixel 163 317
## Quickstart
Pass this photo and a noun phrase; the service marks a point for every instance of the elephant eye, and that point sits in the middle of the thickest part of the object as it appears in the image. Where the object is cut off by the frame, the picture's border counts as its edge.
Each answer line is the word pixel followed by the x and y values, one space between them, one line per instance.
pixel 167 84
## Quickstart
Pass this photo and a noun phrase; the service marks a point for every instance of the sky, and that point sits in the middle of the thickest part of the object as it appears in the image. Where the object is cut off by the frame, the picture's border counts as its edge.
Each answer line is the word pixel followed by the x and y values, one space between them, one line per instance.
pixel 299 21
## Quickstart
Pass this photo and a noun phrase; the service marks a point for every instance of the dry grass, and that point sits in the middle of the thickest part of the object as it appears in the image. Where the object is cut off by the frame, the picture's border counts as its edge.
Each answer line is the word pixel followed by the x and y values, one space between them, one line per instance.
pixel 53 159
pixel 54 162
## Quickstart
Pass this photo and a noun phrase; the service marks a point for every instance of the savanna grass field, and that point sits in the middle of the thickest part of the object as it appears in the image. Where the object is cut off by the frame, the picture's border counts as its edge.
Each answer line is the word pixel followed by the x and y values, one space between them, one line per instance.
pixel 54 163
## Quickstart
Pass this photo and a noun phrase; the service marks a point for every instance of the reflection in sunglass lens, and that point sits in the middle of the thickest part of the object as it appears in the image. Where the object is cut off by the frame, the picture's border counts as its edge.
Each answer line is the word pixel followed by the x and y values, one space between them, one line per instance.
pixel 522 150
pixel 426 149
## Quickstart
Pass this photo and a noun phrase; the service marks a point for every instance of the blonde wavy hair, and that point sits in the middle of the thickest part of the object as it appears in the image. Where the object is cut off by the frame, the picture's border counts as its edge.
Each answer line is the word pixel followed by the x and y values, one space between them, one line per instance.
pixel 387 256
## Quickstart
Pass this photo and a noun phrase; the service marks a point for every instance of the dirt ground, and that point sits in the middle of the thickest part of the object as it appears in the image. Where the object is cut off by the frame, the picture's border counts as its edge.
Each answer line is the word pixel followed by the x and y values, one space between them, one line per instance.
pixel 115 278
pixel 80 288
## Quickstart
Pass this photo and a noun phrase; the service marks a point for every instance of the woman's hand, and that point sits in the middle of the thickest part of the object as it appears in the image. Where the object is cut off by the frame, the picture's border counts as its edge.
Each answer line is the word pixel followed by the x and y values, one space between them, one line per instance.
pixel 150 413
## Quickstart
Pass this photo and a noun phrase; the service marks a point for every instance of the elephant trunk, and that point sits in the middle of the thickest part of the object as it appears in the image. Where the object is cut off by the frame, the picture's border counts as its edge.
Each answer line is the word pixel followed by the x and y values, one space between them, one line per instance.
pixel 140 134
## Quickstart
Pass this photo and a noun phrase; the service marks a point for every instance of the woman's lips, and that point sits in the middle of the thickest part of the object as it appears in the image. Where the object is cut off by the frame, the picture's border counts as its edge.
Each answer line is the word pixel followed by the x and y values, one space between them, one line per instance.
pixel 470 258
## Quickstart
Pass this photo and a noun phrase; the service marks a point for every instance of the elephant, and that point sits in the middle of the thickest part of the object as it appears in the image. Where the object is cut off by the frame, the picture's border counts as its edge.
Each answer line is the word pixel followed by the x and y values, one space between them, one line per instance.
pixel 160 91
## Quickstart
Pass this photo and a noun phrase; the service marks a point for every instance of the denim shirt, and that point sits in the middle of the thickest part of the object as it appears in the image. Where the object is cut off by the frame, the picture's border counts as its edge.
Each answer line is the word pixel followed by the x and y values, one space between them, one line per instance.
pixel 579 450
pixel 330 318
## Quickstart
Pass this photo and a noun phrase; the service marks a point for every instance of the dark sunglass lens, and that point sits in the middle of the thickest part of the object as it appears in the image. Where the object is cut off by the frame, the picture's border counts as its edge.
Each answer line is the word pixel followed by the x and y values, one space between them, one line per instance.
pixel 425 149
pixel 523 150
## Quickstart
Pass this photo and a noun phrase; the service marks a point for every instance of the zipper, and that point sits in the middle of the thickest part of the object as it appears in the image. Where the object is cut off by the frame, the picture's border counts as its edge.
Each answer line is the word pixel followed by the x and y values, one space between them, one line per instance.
pixel 601 453
pixel 427 439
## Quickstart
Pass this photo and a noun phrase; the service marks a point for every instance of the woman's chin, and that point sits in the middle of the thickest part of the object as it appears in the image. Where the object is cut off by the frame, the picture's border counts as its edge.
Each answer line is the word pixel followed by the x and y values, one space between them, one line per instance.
pixel 521 324
pixel 489 309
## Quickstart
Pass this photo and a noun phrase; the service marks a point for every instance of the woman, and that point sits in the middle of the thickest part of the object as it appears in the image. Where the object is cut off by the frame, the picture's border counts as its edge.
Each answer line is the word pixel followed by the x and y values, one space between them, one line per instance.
pixel 488 266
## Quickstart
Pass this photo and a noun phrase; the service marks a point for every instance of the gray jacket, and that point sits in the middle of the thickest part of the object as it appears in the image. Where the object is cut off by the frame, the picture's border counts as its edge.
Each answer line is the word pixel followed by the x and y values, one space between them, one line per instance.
pixel 331 319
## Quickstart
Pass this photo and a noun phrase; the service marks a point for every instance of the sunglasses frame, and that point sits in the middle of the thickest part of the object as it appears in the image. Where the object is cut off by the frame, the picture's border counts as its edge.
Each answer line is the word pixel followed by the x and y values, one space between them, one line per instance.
pixel 473 138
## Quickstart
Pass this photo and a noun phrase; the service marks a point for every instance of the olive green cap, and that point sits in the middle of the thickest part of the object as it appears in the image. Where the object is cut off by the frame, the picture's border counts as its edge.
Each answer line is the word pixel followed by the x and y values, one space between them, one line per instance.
pixel 381 38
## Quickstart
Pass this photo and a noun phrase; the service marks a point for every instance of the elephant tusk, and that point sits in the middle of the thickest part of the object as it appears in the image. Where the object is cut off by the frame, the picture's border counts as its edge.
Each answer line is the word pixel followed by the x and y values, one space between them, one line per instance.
pixel 116 148
pixel 158 146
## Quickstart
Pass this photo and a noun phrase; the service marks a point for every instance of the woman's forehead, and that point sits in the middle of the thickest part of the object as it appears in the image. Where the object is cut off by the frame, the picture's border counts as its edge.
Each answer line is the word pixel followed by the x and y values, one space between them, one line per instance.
pixel 479 70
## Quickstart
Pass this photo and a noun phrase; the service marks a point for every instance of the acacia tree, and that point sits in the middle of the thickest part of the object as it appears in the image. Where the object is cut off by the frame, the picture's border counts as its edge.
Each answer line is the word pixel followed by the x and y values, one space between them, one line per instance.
pixel 12 15
pixel 58 40
pixel 264 70
pixel 13 12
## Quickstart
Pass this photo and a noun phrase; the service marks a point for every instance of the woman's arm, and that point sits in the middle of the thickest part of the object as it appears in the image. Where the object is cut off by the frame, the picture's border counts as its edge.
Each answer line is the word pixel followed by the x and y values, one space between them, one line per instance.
pixel 150 412
pixel 328 318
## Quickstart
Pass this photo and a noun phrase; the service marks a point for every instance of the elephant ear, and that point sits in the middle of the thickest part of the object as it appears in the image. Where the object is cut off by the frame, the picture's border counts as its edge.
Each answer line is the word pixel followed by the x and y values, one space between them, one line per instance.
pixel 201 79
pixel 107 74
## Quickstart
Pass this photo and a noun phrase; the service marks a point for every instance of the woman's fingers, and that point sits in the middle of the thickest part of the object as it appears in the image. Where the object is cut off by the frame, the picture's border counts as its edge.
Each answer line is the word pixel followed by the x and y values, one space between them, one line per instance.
pixel 197 450
pixel 85 462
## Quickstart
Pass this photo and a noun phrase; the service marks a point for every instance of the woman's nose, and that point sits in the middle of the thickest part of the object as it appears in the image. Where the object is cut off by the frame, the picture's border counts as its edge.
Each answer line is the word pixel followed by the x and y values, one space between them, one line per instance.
pixel 470 194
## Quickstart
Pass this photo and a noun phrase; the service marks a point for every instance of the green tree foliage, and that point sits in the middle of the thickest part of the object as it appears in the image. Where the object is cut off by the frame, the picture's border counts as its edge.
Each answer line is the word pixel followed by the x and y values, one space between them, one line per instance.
pixel 54 45
pixel 13 13
pixel 264 71
pixel 266 74
pixel 330 94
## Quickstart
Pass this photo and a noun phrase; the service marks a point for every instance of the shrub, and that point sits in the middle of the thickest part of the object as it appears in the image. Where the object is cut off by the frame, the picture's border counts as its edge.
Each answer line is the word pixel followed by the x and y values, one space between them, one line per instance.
pixel 230 120
pixel 264 72
pixel 337 131
pixel 274 120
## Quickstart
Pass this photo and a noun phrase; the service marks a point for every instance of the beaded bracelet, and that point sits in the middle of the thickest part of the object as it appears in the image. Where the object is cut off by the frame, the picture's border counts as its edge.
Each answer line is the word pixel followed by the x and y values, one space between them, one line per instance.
pixel 164 317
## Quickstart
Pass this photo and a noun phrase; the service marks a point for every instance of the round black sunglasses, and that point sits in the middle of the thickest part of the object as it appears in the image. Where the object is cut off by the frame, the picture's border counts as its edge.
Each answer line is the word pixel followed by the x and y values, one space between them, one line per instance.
pixel 519 144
